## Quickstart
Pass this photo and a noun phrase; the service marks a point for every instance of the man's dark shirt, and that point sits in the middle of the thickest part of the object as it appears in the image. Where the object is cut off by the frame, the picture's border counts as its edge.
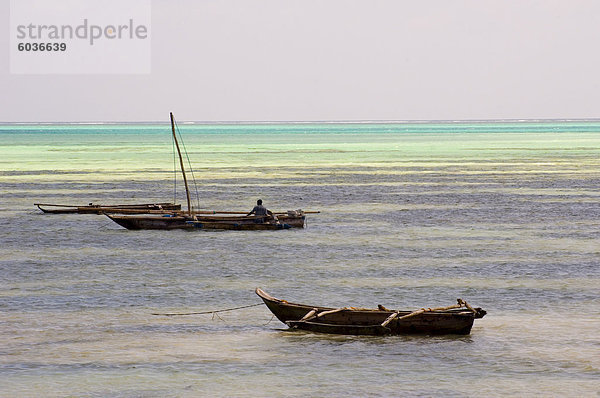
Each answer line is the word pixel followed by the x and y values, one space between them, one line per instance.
pixel 259 210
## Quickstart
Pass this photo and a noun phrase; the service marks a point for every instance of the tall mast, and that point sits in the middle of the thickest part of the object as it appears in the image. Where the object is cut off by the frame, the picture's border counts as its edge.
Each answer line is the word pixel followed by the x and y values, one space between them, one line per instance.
pixel 187 190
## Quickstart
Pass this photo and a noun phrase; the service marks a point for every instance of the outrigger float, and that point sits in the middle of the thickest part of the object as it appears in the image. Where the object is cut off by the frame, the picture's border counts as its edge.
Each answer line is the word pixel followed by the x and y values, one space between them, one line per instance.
pixel 101 209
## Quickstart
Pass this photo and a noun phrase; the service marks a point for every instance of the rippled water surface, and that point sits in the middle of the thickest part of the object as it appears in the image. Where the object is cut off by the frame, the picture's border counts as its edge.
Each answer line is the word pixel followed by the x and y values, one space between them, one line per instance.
pixel 503 215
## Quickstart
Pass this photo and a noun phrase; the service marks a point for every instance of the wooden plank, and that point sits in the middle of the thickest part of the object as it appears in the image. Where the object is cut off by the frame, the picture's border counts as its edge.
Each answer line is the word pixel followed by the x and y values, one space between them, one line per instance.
pixel 331 312
pixel 309 314
pixel 389 319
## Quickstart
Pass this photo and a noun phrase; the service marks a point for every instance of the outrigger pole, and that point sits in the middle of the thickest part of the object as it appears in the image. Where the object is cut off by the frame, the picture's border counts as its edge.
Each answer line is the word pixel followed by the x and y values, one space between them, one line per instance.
pixel 187 190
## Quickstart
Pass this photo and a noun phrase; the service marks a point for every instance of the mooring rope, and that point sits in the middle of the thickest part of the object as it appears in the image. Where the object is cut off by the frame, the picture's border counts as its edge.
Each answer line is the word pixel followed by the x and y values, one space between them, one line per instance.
pixel 209 312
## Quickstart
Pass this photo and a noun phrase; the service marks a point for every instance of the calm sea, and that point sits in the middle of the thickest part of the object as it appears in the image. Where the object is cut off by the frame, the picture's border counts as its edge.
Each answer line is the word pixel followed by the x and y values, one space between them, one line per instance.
pixel 503 215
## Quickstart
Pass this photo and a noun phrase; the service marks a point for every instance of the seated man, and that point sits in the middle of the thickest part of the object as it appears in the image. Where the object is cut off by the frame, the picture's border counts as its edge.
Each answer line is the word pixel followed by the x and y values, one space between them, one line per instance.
pixel 260 210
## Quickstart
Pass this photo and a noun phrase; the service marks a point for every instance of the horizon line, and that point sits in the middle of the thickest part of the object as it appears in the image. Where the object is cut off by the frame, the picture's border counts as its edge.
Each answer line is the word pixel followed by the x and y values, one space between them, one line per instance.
pixel 265 122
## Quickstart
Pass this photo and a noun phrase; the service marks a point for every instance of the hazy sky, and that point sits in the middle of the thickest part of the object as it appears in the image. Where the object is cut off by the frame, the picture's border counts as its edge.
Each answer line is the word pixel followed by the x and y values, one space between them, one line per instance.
pixel 336 60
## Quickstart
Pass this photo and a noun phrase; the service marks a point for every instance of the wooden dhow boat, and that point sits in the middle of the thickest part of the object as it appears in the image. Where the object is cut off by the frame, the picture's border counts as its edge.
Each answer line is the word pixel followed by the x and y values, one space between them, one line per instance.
pixel 101 209
pixel 181 220
pixel 454 319
pixel 191 219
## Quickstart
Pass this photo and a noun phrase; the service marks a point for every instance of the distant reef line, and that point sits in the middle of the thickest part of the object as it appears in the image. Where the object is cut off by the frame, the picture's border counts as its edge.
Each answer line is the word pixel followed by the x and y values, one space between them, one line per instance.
pixel 299 122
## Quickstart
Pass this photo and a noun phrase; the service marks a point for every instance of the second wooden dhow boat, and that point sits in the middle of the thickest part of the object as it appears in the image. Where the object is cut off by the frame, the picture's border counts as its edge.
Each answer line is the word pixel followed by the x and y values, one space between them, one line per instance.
pixel 208 220
pixel 190 219
pixel 454 319
pixel 182 221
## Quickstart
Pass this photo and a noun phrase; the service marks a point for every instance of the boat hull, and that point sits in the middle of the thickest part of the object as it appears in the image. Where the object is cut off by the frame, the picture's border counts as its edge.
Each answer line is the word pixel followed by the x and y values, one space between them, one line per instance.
pixel 151 221
pixel 293 221
pixel 355 321
pixel 239 226
pixel 185 222
pixel 357 330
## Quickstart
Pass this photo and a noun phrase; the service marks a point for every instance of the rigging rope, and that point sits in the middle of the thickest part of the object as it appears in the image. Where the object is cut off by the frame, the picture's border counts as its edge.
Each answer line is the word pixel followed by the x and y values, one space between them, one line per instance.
pixel 189 164
pixel 209 312
pixel 174 170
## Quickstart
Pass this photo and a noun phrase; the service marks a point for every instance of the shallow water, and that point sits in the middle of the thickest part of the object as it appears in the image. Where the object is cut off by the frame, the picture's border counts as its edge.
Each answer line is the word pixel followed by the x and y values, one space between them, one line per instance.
pixel 503 215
